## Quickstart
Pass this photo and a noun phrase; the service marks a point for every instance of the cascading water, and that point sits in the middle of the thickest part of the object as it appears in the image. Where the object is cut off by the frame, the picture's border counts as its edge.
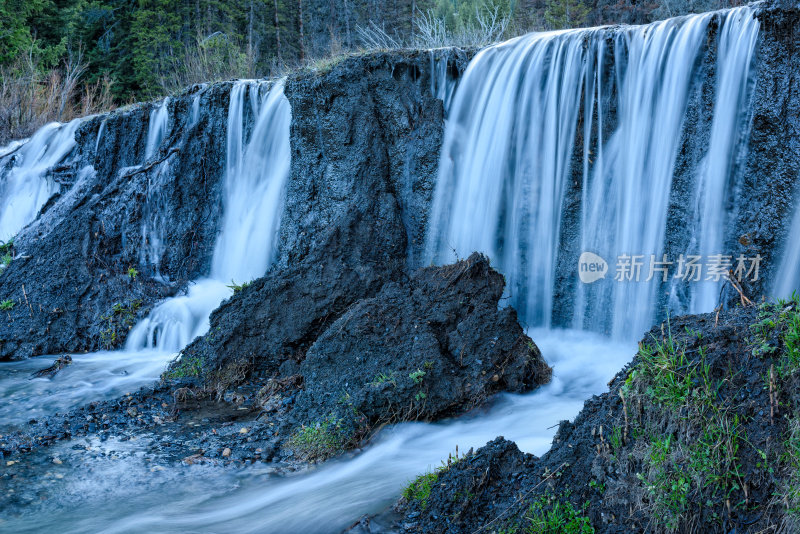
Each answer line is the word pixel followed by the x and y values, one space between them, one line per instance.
pixel 157 128
pixel 442 85
pixel 509 161
pixel 255 176
pixel 24 184
pixel 197 498
pixel 253 185
pixel 737 42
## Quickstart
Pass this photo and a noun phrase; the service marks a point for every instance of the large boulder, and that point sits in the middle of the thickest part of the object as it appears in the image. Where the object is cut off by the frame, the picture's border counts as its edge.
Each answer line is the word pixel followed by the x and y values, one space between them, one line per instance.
pixel 425 348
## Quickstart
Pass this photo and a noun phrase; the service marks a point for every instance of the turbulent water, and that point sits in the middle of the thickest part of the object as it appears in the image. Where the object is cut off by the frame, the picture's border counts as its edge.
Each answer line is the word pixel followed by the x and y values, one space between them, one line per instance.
pixel 508 161
pixel 123 491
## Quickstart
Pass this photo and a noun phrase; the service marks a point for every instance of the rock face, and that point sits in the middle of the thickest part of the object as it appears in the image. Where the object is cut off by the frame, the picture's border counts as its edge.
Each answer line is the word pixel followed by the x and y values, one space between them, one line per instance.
pixel 71 264
pixel 771 171
pixel 364 158
pixel 276 318
pixel 425 348
pixel 370 122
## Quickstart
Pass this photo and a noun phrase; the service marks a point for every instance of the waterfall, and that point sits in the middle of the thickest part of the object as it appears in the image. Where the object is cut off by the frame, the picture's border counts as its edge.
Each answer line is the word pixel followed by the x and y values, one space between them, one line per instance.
pixel 255 177
pixel 24 182
pixel 565 140
pixel 153 218
pixel 737 42
pixel 442 85
pixel 156 128
pixel 195 117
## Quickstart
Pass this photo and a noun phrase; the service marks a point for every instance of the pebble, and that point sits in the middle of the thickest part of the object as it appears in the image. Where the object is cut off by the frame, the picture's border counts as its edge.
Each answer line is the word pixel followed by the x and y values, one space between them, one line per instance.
pixel 244 431
pixel 10 463
pixel 57 461
pixel 226 452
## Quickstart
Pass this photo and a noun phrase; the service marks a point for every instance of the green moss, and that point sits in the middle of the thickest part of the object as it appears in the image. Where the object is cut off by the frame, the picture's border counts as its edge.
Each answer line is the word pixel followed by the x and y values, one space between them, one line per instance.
pixel 186 367
pixel 420 488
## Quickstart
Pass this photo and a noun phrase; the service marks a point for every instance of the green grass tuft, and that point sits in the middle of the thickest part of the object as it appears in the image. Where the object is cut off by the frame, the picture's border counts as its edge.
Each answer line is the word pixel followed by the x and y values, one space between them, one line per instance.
pixel 238 287
pixel 320 440
pixel 551 515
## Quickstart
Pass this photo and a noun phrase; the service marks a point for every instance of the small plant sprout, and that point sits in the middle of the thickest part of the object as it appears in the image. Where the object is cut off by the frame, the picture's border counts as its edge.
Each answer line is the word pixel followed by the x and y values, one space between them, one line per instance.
pixel 132 273
pixel 417 376
pixel 238 287
pixel 7 305
pixel 383 378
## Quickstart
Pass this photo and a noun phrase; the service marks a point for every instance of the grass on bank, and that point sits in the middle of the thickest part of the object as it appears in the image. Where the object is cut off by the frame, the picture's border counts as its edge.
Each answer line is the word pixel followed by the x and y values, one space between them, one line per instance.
pixel 777 334
pixel 320 440
pixel 692 445
pixel 420 488
pixel 694 453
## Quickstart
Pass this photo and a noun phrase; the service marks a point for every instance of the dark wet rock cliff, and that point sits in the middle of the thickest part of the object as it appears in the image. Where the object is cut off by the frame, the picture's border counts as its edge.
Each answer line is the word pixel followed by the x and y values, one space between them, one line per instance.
pixel 365 141
pixel 72 263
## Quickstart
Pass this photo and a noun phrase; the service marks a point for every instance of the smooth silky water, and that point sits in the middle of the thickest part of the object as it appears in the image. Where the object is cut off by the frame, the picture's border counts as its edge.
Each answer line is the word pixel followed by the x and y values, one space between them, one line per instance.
pixel 121 491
